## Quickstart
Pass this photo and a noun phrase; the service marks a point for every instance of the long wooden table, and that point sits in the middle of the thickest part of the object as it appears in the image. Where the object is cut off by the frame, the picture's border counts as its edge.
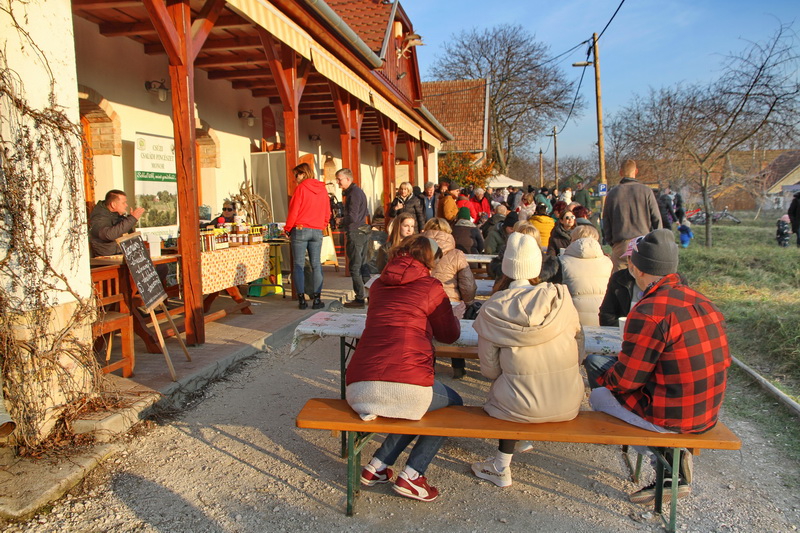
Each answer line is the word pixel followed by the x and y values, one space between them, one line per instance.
pixel 350 326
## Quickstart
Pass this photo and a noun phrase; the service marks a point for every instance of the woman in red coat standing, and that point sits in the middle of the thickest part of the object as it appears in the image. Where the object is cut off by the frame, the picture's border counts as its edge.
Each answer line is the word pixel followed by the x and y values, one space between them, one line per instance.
pixel 309 213
pixel 391 372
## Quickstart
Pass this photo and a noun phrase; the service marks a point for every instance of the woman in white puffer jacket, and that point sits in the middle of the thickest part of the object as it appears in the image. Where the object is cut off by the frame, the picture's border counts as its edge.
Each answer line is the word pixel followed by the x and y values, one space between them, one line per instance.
pixel 585 270
pixel 530 343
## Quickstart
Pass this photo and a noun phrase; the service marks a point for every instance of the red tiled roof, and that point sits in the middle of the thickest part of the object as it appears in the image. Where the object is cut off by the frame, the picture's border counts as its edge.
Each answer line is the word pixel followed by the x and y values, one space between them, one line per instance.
pixel 368 18
pixel 460 105
pixel 780 167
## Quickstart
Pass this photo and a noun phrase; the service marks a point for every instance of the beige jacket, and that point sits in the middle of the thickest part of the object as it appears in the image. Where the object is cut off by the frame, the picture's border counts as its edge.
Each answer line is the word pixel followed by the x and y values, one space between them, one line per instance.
pixel 585 271
pixel 452 269
pixel 530 343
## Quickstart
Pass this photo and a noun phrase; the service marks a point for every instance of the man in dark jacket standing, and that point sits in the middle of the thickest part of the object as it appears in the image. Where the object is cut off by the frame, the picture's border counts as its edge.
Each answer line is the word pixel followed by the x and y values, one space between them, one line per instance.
pixel 794 216
pixel 109 221
pixel 631 210
pixel 358 231
pixel 582 196
pixel 671 373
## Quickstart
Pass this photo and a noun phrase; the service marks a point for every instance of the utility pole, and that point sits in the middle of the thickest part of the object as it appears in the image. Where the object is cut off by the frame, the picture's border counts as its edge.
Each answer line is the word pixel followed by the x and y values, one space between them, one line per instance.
pixel 541 169
pixel 555 154
pixel 600 141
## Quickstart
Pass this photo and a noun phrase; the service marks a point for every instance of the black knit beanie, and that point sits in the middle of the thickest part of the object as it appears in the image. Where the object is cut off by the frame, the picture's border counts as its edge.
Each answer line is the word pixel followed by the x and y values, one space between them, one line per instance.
pixel 657 253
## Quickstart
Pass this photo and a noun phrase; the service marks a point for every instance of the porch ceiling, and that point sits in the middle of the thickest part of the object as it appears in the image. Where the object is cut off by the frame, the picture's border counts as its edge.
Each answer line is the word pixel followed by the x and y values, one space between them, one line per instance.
pixel 232 52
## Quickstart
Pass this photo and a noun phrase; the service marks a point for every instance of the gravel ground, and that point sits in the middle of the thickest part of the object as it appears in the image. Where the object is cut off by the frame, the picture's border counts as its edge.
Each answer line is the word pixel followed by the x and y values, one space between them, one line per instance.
pixel 234 462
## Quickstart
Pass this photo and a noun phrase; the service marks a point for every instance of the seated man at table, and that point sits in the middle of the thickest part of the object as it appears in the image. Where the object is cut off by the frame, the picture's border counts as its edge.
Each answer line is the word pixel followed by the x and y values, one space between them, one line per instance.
pixel 671 372
pixel 109 221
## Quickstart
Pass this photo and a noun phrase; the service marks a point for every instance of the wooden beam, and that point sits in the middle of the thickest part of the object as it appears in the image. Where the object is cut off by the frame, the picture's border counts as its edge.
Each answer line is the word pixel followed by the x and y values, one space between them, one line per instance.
pixel 411 149
pixel 242 74
pixel 424 148
pixel 167 34
pixel 236 43
pixel 229 61
pixel 89 5
pixel 204 23
pixel 146 29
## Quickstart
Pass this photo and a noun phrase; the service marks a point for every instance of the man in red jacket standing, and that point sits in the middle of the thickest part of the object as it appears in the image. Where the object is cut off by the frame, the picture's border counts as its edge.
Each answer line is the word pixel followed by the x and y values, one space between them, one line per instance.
pixel 309 213
pixel 671 372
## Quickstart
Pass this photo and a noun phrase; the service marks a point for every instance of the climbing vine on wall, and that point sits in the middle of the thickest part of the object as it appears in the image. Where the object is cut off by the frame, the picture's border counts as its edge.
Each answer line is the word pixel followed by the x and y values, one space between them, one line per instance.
pixel 47 365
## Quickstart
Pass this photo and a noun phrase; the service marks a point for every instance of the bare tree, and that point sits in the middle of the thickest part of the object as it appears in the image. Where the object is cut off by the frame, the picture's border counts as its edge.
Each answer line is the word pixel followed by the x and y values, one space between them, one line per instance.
pixel 527 94
pixel 757 97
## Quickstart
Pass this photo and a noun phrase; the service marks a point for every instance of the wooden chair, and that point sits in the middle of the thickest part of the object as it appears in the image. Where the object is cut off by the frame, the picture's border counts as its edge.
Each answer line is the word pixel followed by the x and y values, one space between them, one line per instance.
pixel 113 315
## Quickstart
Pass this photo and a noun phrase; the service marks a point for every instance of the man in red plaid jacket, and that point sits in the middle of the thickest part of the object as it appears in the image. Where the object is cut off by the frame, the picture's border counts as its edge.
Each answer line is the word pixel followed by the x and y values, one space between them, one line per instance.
pixel 671 372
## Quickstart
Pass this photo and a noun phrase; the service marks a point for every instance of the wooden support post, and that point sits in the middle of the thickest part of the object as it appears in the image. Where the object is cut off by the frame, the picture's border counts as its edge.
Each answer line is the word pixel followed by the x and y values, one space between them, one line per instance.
pixel 388 133
pixel 411 150
pixel 173 24
pixel 426 177
pixel 290 72
pixel 350 116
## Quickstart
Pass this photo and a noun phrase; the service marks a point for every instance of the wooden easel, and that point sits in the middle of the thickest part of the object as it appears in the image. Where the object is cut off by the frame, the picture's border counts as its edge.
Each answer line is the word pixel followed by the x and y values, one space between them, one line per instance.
pixel 160 335
pixel 143 273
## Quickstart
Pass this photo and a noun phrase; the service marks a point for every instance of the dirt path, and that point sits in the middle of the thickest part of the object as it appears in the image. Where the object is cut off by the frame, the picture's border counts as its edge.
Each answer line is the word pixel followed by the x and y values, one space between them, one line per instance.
pixel 236 463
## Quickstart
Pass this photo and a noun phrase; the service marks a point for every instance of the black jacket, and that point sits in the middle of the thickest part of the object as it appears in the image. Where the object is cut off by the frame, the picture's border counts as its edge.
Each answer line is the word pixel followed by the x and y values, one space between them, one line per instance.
pixel 105 227
pixel 617 302
pixel 559 238
pixel 355 208
pixel 794 212
pixel 411 205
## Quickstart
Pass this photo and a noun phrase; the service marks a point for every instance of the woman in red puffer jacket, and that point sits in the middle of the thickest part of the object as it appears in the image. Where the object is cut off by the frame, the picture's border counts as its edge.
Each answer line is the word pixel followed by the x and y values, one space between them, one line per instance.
pixel 391 372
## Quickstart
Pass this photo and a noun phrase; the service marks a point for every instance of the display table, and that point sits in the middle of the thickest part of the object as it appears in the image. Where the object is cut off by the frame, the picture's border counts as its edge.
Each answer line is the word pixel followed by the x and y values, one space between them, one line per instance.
pixel 233 266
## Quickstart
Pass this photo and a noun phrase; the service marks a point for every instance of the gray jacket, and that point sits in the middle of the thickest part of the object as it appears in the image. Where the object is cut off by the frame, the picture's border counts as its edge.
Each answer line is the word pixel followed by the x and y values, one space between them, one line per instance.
pixel 105 227
pixel 631 210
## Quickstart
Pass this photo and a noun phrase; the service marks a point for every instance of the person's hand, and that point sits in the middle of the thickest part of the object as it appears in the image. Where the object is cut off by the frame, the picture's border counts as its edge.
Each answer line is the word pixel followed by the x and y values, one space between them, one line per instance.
pixel 459 309
pixel 137 213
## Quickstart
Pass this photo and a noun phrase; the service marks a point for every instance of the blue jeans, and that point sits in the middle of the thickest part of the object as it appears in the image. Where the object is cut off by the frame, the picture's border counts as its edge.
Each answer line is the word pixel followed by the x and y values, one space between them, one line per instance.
pixel 427 446
pixel 357 256
pixel 311 240
pixel 601 399
pixel 596 365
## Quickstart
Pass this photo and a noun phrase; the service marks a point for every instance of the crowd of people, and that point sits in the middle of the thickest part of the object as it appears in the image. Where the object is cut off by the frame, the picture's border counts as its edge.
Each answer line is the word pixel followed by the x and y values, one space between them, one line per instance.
pixel 553 278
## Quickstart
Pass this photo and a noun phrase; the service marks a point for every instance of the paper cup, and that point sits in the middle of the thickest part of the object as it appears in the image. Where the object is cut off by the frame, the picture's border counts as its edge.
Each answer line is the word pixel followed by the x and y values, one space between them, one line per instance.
pixel 622 321
pixel 155 246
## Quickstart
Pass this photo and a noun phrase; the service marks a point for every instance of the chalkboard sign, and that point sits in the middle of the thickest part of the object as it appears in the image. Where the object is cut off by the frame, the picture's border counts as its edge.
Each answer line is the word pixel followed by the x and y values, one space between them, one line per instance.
pixel 142 270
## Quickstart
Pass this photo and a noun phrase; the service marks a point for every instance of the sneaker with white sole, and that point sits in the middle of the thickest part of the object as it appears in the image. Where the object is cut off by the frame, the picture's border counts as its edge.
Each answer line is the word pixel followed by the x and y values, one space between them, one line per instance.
pixel 523 446
pixel 417 489
pixel 486 470
pixel 370 476
pixel 648 493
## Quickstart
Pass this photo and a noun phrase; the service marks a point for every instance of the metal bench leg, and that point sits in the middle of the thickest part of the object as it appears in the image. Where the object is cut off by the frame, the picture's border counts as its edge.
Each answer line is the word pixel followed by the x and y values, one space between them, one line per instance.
pixel 355 443
pixel 661 466
pixel 637 471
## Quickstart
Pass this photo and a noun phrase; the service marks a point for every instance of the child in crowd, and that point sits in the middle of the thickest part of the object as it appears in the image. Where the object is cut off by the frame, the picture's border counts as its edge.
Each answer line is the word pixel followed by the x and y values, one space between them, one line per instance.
pixel 685 229
pixel 783 231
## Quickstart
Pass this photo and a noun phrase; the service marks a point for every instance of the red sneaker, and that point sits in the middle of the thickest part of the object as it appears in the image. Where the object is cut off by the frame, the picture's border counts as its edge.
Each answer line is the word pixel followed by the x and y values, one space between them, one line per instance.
pixel 370 476
pixel 417 489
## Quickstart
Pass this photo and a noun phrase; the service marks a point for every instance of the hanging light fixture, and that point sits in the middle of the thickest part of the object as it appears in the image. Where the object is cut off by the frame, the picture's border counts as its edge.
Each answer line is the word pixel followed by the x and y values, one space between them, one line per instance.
pixel 249 116
pixel 158 88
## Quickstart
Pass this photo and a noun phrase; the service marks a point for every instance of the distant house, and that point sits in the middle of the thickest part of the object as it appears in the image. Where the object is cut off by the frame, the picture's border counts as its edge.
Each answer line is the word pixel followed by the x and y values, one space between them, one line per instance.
pixel 782 180
pixel 462 106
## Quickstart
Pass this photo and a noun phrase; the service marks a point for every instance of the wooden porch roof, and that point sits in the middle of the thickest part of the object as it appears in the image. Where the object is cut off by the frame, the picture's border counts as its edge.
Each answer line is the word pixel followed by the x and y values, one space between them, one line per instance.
pixel 233 52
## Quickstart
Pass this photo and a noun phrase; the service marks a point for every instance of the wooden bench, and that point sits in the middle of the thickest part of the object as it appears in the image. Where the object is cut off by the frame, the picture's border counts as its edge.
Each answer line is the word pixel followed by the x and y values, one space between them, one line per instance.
pixel 472 422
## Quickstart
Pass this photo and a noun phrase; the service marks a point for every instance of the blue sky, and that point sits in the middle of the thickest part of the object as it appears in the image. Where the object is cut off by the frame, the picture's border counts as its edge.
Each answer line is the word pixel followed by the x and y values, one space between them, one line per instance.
pixel 650 43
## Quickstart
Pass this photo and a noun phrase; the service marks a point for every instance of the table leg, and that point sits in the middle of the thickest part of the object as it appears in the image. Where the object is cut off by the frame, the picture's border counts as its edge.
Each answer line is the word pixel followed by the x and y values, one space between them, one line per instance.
pixel 239 299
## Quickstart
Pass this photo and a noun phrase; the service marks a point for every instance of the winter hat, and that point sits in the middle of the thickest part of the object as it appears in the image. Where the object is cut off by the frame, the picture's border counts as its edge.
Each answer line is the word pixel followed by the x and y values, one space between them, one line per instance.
pixel 463 213
pixel 454 185
pixel 657 253
pixel 522 258
pixel 511 219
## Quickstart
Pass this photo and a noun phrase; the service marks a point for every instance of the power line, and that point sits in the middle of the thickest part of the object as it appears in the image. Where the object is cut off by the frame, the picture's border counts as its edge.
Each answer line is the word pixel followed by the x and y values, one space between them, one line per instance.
pixel 609 20
pixel 500 80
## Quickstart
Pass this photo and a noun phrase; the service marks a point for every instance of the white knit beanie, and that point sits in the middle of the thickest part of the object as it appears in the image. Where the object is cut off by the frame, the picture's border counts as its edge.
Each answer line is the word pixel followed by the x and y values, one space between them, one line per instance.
pixel 522 258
